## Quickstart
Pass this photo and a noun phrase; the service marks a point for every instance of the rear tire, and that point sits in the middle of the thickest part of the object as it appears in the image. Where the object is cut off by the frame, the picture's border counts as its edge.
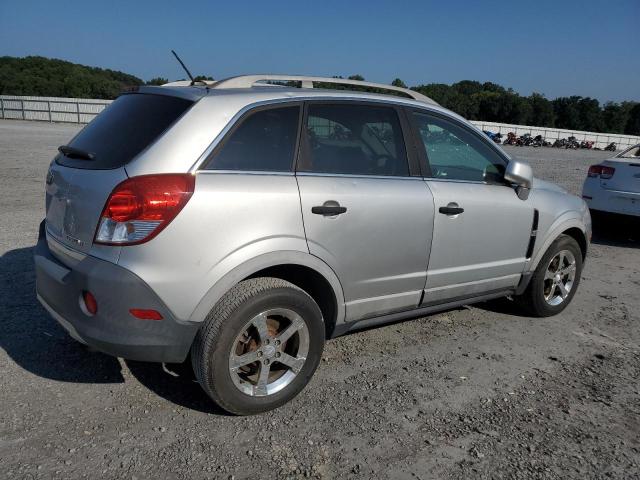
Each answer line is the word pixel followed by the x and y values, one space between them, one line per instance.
pixel 555 280
pixel 259 346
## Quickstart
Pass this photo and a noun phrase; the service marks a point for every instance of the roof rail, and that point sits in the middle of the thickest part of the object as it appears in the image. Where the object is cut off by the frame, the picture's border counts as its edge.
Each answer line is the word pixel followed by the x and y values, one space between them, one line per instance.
pixel 248 81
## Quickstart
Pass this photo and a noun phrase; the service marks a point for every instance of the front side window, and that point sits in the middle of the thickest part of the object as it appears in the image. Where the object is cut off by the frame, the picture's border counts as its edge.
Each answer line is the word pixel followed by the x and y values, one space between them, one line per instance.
pixel 354 139
pixel 264 141
pixel 455 153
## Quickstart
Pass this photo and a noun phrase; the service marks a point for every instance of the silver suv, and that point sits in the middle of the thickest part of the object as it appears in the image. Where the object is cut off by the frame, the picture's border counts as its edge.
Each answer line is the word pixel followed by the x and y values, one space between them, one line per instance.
pixel 243 222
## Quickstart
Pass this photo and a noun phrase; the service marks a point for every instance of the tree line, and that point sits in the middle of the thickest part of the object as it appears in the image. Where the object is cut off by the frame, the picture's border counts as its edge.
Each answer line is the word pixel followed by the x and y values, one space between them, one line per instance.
pixel 40 76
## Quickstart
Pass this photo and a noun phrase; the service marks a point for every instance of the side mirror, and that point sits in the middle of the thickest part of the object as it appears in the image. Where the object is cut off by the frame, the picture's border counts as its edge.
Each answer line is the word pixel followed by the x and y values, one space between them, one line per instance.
pixel 521 175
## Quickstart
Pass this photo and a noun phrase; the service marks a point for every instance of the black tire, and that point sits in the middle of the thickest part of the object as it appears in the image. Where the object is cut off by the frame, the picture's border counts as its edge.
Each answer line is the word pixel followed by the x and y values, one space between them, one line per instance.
pixel 532 301
pixel 214 341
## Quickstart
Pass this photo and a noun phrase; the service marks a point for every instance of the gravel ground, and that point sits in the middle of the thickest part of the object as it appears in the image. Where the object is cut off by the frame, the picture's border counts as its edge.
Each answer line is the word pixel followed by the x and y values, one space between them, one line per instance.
pixel 477 392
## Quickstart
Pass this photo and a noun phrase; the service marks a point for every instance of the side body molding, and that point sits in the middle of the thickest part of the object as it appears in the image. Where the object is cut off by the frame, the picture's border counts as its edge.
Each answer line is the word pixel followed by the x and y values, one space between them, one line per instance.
pixel 272 259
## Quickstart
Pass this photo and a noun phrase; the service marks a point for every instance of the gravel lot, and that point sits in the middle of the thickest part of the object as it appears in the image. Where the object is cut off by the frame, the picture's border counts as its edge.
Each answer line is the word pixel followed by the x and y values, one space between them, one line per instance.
pixel 477 392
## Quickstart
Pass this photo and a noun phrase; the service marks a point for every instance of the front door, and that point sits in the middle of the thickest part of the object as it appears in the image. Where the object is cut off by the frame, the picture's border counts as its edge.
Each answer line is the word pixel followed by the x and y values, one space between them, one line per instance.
pixel 364 213
pixel 481 228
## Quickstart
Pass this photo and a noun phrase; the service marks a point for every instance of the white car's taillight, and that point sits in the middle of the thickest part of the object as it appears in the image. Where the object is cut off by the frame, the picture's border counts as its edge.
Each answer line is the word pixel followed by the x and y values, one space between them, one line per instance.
pixel 140 207
pixel 601 171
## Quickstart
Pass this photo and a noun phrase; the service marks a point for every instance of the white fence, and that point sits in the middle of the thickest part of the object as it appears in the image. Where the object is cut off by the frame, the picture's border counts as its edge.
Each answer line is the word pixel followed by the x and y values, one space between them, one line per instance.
pixel 50 109
pixel 82 110
pixel 550 134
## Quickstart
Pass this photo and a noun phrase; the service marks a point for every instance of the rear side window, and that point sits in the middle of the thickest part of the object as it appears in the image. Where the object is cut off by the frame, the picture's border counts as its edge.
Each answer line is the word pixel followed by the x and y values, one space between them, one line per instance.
pixel 354 139
pixel 125 128
pixel 264 141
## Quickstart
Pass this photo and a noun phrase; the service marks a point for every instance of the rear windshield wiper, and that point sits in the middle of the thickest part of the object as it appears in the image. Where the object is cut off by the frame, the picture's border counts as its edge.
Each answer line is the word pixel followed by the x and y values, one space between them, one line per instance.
pixel 73 152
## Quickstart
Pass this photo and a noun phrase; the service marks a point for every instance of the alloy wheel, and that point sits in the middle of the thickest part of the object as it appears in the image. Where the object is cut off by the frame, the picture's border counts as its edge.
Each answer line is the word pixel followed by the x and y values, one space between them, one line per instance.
pixel 269 352
pixel 559 277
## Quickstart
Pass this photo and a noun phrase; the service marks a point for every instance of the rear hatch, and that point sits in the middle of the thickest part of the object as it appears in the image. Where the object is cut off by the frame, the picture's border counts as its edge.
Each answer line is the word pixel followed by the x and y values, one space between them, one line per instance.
pixel 84 173
pixel 626 177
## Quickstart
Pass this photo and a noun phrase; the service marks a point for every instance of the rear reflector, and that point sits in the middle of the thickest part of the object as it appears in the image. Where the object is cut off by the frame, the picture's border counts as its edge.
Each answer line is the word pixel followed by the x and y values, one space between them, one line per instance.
pixel 601 171
pixel 90 302
pixel 141 207
pixel 145 314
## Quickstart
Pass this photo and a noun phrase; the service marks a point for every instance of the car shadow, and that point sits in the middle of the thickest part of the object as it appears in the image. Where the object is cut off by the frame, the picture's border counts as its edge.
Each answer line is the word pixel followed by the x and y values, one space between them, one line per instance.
pixel 176 383
pixel 616 230
pixel 39 345
pixel 34 340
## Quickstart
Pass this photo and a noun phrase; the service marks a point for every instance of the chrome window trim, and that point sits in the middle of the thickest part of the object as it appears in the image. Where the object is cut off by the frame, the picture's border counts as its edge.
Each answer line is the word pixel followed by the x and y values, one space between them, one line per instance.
pixel 351 175
pixel 246 172
pixel 453 180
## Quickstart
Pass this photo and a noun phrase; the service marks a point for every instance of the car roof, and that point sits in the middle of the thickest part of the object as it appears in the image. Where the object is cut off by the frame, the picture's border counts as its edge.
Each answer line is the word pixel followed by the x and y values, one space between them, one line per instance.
pixel 275 93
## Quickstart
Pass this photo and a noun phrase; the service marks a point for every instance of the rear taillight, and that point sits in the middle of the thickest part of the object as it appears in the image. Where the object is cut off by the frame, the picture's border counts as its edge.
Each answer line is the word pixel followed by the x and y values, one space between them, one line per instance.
pixel 140 207
pixel 601 171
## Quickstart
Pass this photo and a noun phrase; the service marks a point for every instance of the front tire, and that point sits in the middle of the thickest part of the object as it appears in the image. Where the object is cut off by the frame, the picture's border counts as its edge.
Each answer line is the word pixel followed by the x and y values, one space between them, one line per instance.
pixel 555 280
pixel 259 346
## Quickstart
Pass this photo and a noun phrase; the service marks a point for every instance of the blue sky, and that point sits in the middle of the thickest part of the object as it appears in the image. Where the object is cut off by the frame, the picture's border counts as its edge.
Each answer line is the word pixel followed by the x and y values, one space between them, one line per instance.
pixel 558 48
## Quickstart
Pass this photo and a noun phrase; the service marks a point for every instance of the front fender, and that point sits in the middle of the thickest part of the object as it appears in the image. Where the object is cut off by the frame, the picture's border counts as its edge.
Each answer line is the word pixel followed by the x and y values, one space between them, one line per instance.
pixel 260 262
pixel 569 219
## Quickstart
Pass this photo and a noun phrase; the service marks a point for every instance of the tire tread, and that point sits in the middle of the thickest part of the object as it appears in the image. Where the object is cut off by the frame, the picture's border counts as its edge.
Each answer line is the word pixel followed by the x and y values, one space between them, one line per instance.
pixel 216 320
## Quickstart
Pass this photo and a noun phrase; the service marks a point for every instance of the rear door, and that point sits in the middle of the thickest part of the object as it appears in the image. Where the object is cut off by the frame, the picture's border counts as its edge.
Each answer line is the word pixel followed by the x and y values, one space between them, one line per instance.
pixel 366 211
pixel 81 177
pixel 481 228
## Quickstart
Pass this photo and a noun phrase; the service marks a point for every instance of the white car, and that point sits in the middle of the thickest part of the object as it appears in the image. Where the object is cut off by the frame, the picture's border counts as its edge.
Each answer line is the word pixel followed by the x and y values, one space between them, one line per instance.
pixel 613 186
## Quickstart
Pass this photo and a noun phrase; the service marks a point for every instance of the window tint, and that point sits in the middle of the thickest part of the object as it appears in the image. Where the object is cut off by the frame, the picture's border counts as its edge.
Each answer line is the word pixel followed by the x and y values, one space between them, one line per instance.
pixel 125 128
pixel 354 139
pixel 265 141
pixel 456 153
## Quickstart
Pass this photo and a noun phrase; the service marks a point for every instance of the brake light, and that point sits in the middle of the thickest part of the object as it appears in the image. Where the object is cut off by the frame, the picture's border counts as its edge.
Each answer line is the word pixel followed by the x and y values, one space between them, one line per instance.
pixel 141 207
pixel 145 314
pixel 601 171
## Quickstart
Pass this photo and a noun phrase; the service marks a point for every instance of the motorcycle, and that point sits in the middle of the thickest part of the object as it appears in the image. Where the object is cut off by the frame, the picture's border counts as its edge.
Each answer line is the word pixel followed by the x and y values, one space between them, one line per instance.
pixel 611 147
pixel 573 143
pixel 512 139
pixel 539 141
pixel 525 140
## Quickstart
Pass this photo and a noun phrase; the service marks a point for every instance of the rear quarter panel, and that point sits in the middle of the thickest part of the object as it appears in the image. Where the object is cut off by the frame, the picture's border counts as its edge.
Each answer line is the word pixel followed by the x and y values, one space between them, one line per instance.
pixel 231 219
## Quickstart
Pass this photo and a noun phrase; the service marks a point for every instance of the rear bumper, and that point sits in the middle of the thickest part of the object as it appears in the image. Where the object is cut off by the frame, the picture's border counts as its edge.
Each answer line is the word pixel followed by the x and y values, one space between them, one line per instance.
pixel 612 201
pixel 112 330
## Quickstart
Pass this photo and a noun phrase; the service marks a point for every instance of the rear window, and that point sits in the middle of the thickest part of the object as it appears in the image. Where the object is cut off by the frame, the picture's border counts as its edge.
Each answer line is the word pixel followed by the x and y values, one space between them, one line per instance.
pixel 125 128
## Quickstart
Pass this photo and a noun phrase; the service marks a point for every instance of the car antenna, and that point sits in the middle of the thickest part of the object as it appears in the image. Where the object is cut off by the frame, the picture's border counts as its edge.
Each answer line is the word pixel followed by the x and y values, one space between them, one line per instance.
pixel 184 66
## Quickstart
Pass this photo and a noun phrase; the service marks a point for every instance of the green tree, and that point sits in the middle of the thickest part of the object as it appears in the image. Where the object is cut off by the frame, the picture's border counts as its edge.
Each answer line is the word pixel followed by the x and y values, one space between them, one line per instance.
pixel 58 78
pixel 158 81
pixel 590 115
pixel 633 123
pixel 542 114
pixel 567 112
pixel 356 77
pixel 399 83
pixel 615 116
